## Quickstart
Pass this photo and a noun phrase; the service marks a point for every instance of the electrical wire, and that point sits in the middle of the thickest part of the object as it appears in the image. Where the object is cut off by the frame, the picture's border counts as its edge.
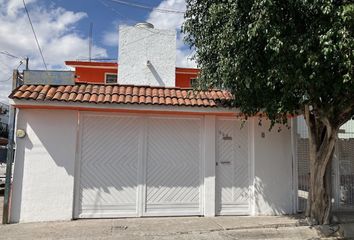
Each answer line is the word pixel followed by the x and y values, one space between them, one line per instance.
pixel 117 12
pixel 132 20
pixel 138 5
pixel 2 103
pixel 9 54
pixel 7 79
pixel 4 64
pixel 21 62
pixel 35 36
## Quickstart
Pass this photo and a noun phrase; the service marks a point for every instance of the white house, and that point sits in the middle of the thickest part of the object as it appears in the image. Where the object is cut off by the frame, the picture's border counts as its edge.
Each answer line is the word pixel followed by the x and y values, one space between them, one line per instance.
pixel 143 147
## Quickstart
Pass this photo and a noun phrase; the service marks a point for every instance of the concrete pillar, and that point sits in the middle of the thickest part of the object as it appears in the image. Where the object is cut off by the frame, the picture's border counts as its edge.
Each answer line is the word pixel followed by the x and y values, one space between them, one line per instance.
pixel 209 166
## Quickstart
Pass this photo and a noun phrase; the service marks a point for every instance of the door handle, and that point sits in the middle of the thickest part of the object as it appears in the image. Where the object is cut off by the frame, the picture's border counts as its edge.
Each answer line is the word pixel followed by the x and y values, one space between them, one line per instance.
pixel 225 162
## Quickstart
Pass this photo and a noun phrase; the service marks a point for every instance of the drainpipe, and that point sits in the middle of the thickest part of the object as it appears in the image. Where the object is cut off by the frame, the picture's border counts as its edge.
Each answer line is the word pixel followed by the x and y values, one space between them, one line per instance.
pixel 10 155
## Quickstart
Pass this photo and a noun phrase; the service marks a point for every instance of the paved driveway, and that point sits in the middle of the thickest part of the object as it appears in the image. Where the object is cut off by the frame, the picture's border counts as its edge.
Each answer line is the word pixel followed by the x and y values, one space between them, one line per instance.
pixel 188 228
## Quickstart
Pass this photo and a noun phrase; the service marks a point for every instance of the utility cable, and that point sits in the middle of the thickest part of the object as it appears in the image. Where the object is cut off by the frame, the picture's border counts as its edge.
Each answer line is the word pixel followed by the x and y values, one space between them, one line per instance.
pixel 138 5
pixel 21 62
pixel 35 36
pixel 7 79
pixel 133 20
pixel 9 54
pixel 114 10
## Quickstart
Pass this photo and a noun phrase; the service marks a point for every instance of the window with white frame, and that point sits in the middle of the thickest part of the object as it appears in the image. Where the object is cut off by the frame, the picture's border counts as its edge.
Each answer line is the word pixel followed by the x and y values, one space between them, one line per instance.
pixel 111 78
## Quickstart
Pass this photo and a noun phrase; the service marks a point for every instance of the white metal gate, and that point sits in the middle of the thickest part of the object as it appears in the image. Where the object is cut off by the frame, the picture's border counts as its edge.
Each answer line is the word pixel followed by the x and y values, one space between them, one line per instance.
pixel 109 159
pixel 139 166
pixel 342 167
pixel 232 168
pixel 173 172
pixel 303 162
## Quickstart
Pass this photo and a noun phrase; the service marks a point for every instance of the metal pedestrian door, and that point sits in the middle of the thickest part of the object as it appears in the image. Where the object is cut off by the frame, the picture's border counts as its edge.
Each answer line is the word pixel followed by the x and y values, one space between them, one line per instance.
pixel 232 168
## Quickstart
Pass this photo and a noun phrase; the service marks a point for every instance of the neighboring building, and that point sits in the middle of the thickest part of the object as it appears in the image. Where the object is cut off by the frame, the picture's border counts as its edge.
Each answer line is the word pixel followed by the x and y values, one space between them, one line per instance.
pixel 144 145
pixel 147 56
pixel 4 119
pixel 107 73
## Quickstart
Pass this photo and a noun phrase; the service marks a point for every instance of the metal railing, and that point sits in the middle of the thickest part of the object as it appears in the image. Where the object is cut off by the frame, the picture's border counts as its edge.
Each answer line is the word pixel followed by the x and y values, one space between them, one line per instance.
pixel 346 191
pixel 343 169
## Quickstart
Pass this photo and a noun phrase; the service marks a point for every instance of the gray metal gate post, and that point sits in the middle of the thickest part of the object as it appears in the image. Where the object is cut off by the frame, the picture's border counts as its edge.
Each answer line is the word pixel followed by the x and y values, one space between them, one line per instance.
pixel 10 155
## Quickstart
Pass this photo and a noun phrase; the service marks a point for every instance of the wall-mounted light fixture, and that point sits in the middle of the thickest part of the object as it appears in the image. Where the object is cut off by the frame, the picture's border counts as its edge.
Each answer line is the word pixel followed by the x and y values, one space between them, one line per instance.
pixel 20 133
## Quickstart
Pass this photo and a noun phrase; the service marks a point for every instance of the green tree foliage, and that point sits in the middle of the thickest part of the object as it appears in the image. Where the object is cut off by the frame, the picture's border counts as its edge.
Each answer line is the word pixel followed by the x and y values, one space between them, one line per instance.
pixel 281 57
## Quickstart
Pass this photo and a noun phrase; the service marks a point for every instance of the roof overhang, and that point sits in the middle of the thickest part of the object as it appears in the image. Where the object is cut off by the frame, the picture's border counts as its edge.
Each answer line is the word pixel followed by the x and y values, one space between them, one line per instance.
pixel 130 108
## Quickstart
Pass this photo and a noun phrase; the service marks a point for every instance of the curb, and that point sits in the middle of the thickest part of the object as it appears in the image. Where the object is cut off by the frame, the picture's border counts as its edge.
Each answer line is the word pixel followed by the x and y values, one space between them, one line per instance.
pixel 346 230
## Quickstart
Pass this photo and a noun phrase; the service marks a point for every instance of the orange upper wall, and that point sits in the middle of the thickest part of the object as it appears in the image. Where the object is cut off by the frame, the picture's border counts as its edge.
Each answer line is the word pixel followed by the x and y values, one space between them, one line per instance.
pixel 94 72
pixel 184 76
pixel 92 75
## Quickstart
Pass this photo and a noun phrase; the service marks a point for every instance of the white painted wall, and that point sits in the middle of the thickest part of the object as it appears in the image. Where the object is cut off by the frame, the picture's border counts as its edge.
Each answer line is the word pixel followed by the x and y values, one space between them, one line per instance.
pixel 45 161
pixel 272 170
pixel 44 166
pixel 137 45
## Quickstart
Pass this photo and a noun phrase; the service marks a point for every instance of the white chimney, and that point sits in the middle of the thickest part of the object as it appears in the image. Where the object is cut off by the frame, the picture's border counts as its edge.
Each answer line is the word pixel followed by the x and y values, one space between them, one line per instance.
pixel 147 56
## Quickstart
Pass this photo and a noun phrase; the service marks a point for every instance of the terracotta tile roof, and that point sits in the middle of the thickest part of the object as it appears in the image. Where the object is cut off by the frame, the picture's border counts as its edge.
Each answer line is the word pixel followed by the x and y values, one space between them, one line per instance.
pixel 123 94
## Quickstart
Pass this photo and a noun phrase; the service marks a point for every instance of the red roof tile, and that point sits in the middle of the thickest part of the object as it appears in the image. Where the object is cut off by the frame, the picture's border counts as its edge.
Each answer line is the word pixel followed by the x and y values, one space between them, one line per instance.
pixel 122 94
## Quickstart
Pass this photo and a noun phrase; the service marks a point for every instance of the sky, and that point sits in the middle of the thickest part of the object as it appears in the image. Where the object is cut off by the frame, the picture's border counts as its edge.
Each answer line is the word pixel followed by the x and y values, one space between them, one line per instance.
pixel 62 28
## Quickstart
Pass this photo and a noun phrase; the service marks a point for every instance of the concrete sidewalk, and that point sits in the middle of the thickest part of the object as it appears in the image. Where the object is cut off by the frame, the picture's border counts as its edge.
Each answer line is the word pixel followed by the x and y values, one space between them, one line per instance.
pixel 218 228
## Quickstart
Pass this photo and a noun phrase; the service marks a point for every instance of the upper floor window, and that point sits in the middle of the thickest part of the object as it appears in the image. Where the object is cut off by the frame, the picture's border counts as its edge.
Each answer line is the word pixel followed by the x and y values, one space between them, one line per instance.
pixel 193 82
pixel 111 78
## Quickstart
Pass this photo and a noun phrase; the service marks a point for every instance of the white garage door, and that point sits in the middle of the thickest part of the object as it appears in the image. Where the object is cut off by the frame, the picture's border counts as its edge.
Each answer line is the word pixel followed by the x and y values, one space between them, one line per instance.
pixel 139 166
pixel 173 172
pixel 109 166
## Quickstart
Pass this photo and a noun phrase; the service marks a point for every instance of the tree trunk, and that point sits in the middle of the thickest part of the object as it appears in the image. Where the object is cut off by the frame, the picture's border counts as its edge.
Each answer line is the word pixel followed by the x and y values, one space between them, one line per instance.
pixel 322 139
pixel 319 201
